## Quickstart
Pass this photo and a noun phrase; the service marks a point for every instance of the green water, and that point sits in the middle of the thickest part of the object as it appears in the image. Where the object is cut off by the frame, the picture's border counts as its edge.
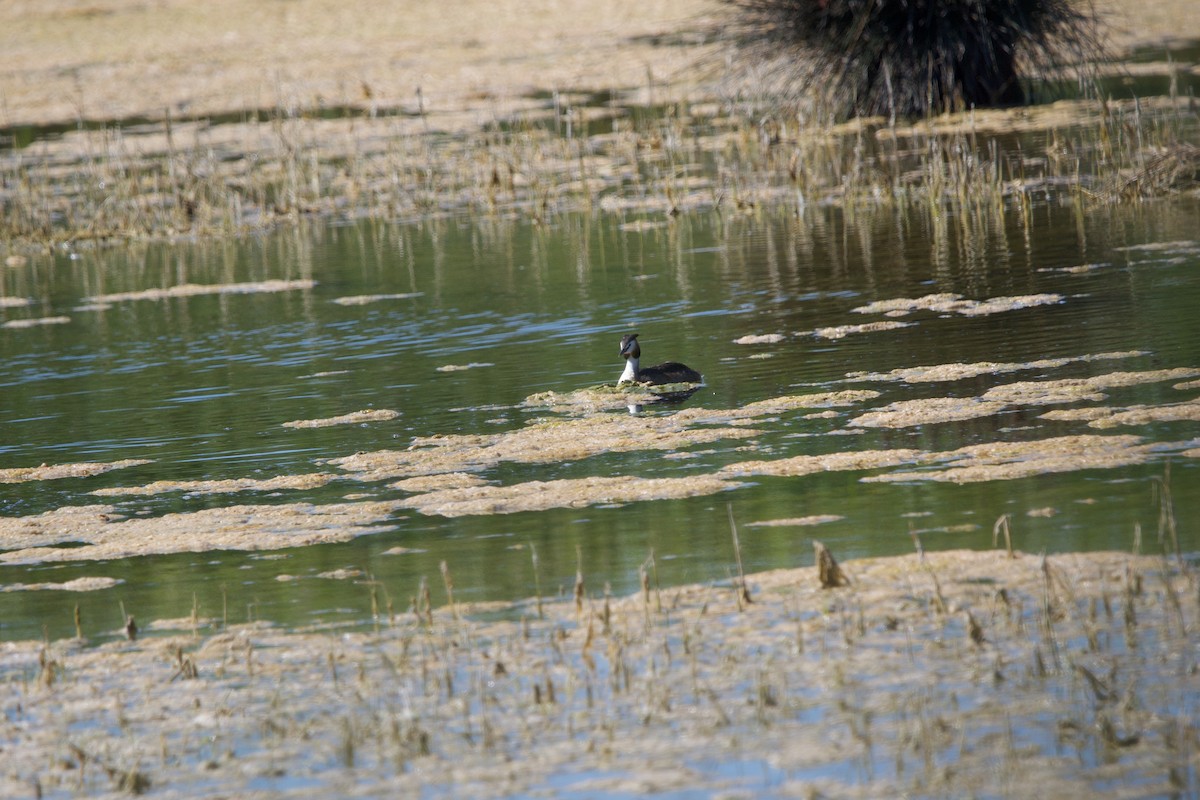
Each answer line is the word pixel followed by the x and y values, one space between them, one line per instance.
pixel 201 385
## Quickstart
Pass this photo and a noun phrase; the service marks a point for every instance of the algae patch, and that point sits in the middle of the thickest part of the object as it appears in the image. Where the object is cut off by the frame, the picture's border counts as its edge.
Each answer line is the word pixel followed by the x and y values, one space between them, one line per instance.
pixel 802 522
pixel 906 413
pixel 195 289
pixel 947 303
pixel 1009 460
pixel 554 441
pixel 365 299
pixel 102 533
pixel 567 493
pixel 960 371
pixel 34 322
pixel 464 367
pixel 1104 417
pixel 830 462
pixel 606 397
pixel 842 331
pixel 58 471
pixel 779 405
pixel 760 338
pixel 1070 390
pixel 229 485
pixel 432 483
pixel 353 418
pixel 89 584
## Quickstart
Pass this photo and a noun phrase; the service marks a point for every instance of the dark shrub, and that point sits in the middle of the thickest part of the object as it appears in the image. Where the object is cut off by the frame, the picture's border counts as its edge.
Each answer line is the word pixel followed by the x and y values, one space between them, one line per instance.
pixel 908 57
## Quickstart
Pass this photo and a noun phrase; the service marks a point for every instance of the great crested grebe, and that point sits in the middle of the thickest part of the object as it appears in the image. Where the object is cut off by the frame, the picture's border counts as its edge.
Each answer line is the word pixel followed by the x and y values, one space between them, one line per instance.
pixel 669 372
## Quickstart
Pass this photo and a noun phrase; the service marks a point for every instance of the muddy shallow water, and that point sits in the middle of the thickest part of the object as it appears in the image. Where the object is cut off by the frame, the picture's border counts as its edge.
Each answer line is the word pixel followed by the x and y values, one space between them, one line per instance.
pixel 368 365
pixel 947 675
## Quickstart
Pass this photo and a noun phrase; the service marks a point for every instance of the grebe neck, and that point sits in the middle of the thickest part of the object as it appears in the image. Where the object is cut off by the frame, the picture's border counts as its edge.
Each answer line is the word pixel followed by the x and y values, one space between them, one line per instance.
pixel 631 371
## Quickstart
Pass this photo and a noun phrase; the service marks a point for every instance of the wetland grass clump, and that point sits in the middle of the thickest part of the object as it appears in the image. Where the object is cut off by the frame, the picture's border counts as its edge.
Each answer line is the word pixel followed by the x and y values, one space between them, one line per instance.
pixel 910 58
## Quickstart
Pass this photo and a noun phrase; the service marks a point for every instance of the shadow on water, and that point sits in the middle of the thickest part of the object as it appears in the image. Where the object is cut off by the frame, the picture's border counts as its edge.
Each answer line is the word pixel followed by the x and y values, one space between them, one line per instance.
pixel 453 323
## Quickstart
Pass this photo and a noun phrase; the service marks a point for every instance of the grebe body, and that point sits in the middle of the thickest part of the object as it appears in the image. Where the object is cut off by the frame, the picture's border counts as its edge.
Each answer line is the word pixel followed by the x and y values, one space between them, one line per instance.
pixel 659 374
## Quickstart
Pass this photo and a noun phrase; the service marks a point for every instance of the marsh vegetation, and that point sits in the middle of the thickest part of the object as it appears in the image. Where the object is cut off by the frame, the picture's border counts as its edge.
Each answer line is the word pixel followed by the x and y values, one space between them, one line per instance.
pixel 948 673
pixel 316 479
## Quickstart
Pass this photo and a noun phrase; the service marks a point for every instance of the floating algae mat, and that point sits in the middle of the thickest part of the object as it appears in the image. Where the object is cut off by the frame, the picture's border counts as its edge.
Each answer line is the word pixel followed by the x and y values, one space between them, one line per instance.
pixel 541 442
pixel 383 397
pixel 193 290
pixel 955 304
pixel 1007 461
pixel 579 492
pixel 956 372
pixel 441 474
pixel 57 471
pixel 1106 417
pixel 353 418
pixel 100 532
pixel 947 674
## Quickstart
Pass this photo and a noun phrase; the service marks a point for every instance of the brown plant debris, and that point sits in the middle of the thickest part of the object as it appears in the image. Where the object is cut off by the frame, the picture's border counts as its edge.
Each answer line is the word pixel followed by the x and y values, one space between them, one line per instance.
pixel 57 471
pixel 829 573
pixel 1174 168
pixel 947 303
pixel 353 418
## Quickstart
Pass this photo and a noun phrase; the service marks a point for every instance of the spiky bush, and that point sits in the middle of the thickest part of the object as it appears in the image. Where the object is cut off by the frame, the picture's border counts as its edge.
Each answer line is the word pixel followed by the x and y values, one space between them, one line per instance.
pixel 908 57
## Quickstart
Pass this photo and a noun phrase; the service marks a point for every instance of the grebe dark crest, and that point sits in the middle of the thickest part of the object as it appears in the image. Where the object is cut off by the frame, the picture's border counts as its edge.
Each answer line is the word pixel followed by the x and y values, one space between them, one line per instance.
pixel 669 372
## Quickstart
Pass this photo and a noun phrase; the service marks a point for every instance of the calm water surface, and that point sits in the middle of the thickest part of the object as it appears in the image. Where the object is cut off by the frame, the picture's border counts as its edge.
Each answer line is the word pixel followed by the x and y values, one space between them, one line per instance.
pixel 201 385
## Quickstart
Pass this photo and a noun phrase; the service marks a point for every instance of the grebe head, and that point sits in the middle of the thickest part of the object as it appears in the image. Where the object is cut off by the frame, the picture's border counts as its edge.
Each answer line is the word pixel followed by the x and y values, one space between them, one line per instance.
pixel 630 351
pixel 630 347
